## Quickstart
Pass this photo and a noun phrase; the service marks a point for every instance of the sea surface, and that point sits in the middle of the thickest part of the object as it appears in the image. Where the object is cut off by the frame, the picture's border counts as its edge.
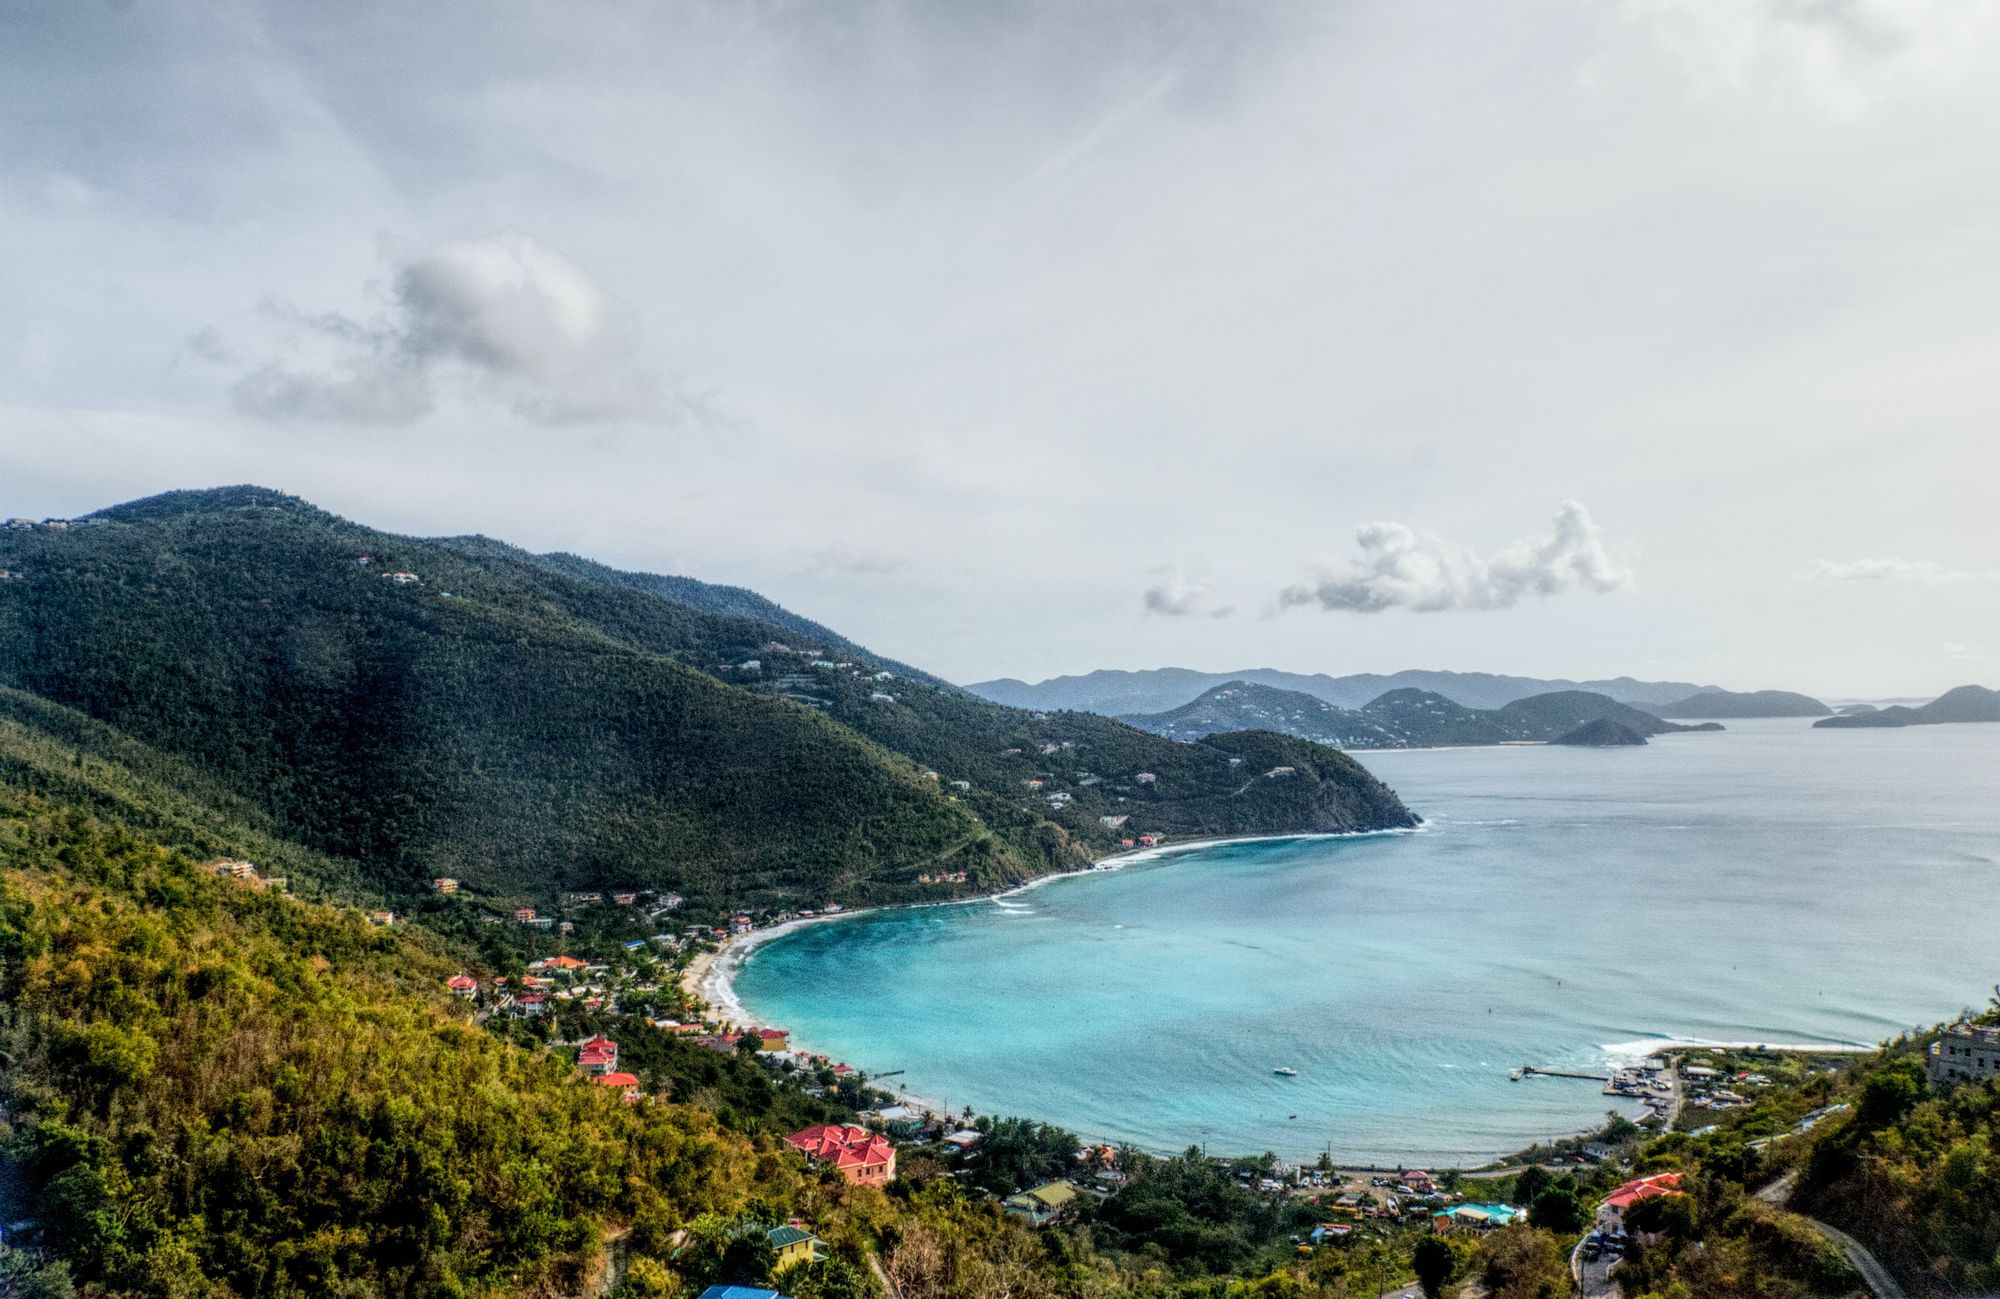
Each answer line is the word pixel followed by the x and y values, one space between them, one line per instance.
pixel 1563 906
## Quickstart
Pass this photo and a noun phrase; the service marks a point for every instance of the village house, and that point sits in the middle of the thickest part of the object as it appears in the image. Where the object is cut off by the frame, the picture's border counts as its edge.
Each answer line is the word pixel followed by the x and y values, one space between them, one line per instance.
pixel 1276 772
pixel 1479 1217
pixel 383 918
pixel 881 697
pixel 403 579
pixel 586 897
pixel 1145 778
pixel 462 985
pixel 1040 1204
pixel 773 1039
pixel 626 1084
pixel 624 899
pixel 1966 1053
pixel 861 1157
pixel 531 1005
pixel 1612 1212
pixel 791 1245
pixel 444 884
pixel 599 1055
pixel 524 915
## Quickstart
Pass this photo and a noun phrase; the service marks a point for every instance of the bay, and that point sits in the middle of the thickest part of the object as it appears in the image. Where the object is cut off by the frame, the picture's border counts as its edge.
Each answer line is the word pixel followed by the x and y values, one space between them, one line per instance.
pixel 1561 908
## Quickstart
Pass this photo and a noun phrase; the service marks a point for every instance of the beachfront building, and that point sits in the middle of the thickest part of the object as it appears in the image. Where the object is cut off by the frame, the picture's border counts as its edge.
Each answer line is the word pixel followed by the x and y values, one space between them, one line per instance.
pixel 1966 1053
pixel 860 1157
pixel 1612 1212
pixel 773 1039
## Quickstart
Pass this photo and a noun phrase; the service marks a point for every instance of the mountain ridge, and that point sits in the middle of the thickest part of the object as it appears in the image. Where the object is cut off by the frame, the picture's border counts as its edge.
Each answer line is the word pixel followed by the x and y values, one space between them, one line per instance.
pixel 1118 692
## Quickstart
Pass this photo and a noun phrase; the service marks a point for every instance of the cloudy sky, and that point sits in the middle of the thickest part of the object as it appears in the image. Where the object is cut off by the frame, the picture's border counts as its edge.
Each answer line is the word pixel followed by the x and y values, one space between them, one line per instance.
pixel 1588 337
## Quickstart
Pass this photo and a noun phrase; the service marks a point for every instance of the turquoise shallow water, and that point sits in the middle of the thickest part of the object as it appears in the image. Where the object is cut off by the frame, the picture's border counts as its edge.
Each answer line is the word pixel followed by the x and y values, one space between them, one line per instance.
pixel 1770 883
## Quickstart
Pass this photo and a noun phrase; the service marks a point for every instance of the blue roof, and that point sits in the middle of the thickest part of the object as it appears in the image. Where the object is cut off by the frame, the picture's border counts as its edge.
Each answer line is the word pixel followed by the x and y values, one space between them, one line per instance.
pixel 738 1292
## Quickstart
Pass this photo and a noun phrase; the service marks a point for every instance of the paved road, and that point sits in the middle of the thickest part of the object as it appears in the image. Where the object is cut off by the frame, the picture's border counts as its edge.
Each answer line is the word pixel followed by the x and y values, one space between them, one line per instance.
pixel 1877 1278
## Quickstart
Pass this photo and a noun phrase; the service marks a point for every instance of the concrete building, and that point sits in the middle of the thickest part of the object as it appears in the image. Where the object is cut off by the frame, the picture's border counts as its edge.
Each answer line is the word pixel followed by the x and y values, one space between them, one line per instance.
pixel 1966 1053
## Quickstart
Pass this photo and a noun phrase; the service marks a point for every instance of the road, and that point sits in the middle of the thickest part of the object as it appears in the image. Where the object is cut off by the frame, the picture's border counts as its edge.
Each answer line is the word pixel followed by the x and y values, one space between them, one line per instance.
pixel 1873 1274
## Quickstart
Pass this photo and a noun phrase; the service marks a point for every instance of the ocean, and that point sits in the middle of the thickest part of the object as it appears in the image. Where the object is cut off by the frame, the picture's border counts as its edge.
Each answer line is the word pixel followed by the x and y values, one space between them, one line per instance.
pixel 1562 908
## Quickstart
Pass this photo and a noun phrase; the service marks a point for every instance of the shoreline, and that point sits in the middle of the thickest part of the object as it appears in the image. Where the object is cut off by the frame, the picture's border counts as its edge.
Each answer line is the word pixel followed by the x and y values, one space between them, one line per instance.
pixel 710 976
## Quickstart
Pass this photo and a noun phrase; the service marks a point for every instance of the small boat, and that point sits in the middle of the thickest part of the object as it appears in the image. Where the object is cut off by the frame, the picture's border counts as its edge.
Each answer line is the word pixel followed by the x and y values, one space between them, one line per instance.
pixel 1285 1072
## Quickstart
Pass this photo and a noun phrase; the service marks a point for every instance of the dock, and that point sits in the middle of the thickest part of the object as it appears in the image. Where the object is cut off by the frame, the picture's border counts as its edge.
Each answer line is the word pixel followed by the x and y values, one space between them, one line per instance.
pixel 1530 1071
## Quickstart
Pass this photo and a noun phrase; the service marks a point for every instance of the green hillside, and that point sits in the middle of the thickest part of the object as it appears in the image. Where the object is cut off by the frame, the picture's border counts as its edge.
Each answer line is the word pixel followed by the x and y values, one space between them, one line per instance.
pixel 529 730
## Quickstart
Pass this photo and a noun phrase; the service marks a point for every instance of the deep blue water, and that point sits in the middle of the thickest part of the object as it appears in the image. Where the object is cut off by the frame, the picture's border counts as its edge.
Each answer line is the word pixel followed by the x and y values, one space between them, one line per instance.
pixel 1770 883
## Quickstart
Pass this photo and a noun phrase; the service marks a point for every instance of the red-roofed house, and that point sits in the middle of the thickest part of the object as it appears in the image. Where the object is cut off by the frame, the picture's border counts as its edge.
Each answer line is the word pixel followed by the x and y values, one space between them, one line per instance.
pixel 462 985
pixel 1612 1211
pixel 861 1157
pixel 532 1005
pixel 599 1055
pixel 774 1039
pixel 628 1085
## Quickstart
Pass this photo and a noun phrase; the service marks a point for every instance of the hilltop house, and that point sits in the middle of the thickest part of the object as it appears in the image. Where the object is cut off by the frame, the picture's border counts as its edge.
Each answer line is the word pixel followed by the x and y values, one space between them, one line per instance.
pixel 1966 1053
pixel 791 1244
pixel 532 1005
pixel 444 884
pixel 598 1056
pixel 462 985
pixel 1145 778
pixel 1612 1212
pixel 382 918
pixel 403 579
pixel 858 1155
pixel 627 1085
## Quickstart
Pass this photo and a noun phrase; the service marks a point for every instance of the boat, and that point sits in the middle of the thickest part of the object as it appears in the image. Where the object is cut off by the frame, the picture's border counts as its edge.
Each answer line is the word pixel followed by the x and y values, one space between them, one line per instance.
pixel 1284 1071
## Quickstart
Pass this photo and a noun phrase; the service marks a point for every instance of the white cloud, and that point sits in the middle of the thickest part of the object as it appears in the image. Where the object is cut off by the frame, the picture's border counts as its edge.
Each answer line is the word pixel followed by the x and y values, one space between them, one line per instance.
pixel 1921 572
pixel 502 318
pixel 1402 568
pixel 1965 653
pixel 1176 595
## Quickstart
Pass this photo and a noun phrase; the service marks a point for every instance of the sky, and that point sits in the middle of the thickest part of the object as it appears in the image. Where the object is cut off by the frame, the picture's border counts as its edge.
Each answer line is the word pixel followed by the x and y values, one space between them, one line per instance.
pixel 1649 337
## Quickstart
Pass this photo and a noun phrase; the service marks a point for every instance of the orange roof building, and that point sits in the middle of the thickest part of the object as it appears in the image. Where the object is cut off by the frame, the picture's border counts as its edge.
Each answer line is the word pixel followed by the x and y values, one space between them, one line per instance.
pixel 1641 1188
pixel 861 1157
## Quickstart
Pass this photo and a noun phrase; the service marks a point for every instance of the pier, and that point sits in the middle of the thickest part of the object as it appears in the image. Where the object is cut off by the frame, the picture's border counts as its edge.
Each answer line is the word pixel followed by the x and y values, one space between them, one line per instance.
pixel 1530 1071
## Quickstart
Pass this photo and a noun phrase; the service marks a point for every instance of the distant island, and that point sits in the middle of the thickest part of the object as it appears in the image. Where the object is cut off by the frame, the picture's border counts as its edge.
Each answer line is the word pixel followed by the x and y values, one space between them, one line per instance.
pixel 1117 693
pixel 1399 719
pixel 1740 704
pixel 1964 704
pixel 1604 733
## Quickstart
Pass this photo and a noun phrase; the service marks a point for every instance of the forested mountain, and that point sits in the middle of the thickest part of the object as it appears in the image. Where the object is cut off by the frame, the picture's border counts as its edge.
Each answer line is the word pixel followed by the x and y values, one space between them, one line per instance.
pixel 1399 719
pixel 1159 690
pixel 463 708
pixel 1963 704
pixel 1752 703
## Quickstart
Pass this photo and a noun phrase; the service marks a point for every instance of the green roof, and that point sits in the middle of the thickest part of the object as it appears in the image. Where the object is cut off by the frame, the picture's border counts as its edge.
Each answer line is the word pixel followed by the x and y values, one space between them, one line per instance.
pixel 783 1236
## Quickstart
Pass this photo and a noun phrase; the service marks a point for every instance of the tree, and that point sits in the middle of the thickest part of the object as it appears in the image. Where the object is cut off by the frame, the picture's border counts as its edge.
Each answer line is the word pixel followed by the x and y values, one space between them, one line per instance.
pixel 1434 1264
pixel 1532 1181
pixel 1559 1209
pixel 1890 1094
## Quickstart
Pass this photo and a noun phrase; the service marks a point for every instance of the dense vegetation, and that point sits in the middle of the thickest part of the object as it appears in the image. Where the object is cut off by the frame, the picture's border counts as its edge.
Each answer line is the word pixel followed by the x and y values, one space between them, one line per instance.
pixel 530 724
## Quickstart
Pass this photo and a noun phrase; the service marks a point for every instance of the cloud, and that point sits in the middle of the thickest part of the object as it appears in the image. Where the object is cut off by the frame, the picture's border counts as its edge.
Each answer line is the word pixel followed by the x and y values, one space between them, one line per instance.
pixel 838 560
pixel 502 318
pixel 1920 572
pixel 1178 596
pixel 1402 568
pixel 1965 653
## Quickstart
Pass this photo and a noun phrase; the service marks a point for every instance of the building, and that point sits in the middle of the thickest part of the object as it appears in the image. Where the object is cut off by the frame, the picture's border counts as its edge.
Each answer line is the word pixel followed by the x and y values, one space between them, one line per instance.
pixel 598 1056
pixel 737 1292
pixel 383 918
pixel 462 985
pixel 1144 778
pixel 444 884
pixel 403 579
pixel 1040 1204
pixel 792 1245
pixel 627 1085
pixel 524 915
pixel 773 1039
pixel 858 1155
pixel 531 1005
pixel 1479 1217
pixel 1966 1053
pixel 1612 1212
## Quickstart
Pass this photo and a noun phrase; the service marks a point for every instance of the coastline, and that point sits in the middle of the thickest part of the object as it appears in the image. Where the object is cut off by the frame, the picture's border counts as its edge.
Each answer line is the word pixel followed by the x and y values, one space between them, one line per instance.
pixel 710 976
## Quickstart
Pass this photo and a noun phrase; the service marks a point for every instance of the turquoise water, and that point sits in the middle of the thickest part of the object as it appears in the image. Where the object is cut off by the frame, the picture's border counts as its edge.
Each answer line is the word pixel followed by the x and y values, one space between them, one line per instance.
pixel 1767 884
